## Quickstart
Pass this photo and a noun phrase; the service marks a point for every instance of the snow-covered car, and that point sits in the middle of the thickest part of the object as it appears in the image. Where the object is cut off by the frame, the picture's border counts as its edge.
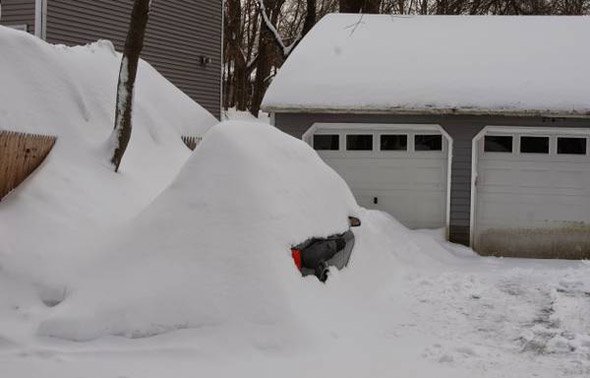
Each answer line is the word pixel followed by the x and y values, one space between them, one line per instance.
pixel 316 255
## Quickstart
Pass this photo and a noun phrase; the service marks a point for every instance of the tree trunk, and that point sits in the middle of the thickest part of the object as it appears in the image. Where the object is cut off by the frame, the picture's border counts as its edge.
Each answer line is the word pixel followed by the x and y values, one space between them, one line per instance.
pixel 241 85
pixel 266 48
pixel 127 74
pixel 310 17
pixel 359 6
pixel 234 57
pixel 372 6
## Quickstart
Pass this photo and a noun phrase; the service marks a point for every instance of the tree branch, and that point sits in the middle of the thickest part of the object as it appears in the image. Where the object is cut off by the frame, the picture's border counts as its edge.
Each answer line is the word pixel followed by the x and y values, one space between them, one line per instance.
pixel 286 50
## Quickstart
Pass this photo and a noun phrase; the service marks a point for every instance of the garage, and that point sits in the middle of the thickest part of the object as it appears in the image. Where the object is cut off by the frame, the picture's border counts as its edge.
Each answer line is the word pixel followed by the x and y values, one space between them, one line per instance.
pixel 479 90
pixel 531 190
pixel 400 169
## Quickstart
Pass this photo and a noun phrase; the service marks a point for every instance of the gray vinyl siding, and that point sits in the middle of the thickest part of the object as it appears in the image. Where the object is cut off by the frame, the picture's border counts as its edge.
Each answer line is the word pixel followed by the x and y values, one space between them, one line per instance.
pixel 462 130
pixel 179 32
pixel 19 12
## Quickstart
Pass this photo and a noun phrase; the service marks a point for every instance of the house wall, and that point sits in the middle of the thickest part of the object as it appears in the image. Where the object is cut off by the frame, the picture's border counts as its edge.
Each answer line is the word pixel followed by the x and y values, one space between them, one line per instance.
pixel 461 128
pixel 18 12
pixel 179 32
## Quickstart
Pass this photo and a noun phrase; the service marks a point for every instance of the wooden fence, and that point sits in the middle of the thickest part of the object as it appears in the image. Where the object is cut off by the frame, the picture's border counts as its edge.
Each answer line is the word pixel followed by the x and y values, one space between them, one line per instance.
pixel 191 141
pixel 20 154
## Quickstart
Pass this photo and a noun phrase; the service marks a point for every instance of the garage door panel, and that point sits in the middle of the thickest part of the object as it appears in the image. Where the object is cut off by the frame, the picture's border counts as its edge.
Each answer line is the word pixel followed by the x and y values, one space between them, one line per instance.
pixel 426 212
pixel 514 177
pixel 526 210
pixel 402 173
pixel 546 180
pixel 522 199
pixel 551 174
pixel 377 186
pixel 429 176
pixel 359 178
pixel 572 181
pixel 572 186
pixel 410 185
pixel 529 191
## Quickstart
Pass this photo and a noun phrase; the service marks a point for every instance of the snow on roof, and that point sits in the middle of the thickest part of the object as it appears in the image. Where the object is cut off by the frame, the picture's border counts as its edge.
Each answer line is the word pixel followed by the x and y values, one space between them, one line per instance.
pixel 438 64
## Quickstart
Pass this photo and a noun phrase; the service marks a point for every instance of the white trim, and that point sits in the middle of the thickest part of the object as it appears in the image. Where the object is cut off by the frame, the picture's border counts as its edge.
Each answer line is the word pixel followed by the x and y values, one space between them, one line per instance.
pixel 473 196
pixel 38 18
pixel 420 111
pixel 41 19
pixel 222 62
pixel 273 121
pixel 449 179
pixel 307 135
pixel 513 131
pixel 376 127
pixel 537 130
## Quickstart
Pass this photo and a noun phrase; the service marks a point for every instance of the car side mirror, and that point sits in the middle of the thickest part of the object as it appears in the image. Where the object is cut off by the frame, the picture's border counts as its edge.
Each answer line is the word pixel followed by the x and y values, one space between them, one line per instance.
pixel 354 222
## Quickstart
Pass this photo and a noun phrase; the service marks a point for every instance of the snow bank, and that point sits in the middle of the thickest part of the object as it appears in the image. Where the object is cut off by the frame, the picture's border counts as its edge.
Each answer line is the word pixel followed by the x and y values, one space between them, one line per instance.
pixel 438 64
pixel 232 114
pixel 70 93
pixel 214 248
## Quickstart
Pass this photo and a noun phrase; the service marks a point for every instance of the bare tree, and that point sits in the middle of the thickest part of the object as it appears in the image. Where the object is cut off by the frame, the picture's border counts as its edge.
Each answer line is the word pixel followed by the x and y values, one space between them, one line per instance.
pixel 127 73
pixel 269 25
pixel 242 26
pixel 295 24
pixel 310 17
pixel 257 43
pixel 360 6
pixel 235 73
pixel 267 40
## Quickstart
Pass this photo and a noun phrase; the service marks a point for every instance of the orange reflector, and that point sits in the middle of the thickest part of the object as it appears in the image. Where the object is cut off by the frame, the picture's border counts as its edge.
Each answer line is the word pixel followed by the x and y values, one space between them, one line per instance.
pixel 296 254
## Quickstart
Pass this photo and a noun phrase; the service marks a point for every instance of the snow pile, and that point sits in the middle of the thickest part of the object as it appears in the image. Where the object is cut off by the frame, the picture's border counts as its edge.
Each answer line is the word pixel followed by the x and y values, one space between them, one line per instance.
pixel 214 248
pixel 232 114
pixel 70 93
pixel 438 64
pixel 208 264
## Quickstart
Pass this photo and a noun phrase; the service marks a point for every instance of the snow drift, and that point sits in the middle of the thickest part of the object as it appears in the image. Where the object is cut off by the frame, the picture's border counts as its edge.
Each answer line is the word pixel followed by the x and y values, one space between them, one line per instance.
pixel 214 248
pixel 70 93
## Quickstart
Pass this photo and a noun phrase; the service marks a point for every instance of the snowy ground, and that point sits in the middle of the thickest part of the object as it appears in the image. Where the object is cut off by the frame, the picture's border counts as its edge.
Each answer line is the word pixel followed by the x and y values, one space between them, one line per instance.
pixel 178 294
pixel 480 317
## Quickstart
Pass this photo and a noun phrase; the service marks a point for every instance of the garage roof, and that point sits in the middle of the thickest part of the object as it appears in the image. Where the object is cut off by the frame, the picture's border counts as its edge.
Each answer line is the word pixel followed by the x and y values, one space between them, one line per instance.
pixel 531 65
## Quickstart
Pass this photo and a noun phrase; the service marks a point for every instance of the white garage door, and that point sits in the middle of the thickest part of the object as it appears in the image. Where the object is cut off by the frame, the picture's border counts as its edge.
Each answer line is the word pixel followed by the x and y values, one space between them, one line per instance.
pixel 533 193
pixel 400 169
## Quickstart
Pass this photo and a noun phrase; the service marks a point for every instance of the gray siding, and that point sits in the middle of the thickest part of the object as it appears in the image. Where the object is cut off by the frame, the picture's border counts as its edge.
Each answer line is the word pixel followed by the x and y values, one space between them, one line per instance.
pixel 19 12
pixel 179 32
pixel 461 128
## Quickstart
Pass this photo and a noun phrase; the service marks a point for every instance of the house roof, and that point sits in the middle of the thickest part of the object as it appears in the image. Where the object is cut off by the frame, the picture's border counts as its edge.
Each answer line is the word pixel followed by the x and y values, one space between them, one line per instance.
pixel 515 65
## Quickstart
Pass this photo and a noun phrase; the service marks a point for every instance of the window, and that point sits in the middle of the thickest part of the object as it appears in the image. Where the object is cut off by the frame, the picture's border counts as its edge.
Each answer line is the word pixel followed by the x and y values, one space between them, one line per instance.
pixel 359 142
pixel 534 145
pixel 394 142
pixel 428 142
pixel 329 142
pixel 571 146
pixel 494 143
